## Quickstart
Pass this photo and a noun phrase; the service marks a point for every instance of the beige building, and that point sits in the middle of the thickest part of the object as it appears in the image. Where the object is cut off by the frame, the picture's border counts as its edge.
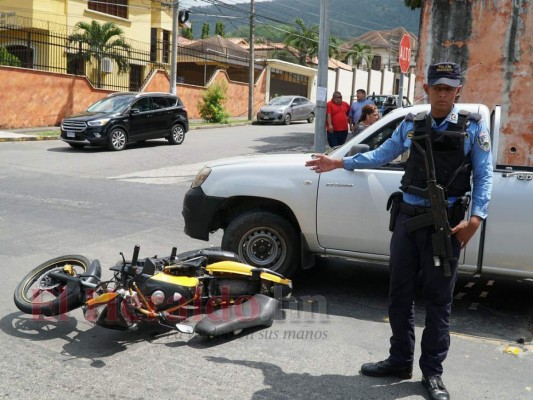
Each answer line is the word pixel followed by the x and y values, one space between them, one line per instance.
pixel 384 46
pixel 36 32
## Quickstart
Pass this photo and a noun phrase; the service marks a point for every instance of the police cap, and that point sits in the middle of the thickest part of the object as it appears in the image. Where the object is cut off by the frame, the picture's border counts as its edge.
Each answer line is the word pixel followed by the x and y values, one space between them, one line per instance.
pixel 445 73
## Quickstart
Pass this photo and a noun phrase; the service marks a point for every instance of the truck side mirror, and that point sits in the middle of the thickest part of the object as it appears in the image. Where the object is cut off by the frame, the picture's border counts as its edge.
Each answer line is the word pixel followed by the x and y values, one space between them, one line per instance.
pixel 358 148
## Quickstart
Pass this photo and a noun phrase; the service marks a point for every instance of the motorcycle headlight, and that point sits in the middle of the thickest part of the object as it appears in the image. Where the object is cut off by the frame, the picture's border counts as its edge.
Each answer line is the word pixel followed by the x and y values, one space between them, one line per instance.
pixel 98 122
pixel 200 177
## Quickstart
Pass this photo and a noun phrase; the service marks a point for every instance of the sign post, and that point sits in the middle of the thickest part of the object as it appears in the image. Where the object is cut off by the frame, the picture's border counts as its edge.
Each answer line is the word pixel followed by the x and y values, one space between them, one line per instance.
pixel 404 59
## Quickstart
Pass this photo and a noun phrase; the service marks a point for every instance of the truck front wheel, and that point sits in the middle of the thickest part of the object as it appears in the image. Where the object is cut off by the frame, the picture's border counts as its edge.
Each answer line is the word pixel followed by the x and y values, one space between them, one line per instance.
pixel 265 240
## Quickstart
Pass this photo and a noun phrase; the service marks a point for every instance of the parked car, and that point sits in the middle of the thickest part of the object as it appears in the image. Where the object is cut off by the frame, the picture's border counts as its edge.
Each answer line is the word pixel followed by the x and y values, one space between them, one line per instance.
pixel 386 102
pixel 126 117
pixel 278 214
pixel 285 109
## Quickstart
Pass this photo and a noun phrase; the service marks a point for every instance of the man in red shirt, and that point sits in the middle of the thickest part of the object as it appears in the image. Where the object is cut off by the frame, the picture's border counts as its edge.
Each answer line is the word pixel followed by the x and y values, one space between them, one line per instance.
pixel 337 120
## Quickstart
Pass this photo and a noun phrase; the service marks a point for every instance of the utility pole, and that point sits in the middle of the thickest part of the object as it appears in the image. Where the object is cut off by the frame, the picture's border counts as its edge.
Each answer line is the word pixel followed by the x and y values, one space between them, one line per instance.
pixel 251 65
pixel 174 50
pixel 322 78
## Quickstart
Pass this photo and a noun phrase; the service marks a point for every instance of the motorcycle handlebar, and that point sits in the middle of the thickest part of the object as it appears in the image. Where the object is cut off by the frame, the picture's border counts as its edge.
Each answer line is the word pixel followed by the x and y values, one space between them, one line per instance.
pixel 67 278
pixel 135 257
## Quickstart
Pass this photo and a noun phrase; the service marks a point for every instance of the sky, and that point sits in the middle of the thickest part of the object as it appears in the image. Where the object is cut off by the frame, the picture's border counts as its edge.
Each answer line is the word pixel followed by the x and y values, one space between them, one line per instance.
pixel 199 3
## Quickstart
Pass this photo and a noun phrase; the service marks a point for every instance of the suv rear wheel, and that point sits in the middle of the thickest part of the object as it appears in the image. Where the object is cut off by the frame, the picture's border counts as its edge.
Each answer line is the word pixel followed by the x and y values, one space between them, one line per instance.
pixel 177 135
pixel 264 239
pixel 117 140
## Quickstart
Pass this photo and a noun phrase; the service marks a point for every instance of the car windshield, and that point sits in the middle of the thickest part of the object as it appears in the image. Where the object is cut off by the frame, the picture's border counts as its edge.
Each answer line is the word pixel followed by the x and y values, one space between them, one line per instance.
pixel 111 104
pixel 280 101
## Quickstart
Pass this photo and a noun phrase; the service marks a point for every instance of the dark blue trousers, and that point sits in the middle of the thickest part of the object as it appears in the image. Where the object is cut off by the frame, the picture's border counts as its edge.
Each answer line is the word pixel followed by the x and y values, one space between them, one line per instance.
pixel 411 254
pixel 337 138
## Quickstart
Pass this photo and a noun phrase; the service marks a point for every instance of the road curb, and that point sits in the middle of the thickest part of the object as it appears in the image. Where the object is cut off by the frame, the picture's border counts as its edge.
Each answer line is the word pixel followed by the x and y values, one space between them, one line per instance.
pixel 31 138
pixel 28 138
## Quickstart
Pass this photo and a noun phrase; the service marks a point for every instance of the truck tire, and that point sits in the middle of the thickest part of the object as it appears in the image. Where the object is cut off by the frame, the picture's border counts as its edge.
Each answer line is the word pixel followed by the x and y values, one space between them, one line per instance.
pixel 265 240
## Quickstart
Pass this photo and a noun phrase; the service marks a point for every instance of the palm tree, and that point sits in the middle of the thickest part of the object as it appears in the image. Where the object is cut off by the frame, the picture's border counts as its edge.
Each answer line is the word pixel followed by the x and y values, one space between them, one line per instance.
pixel 359 52
pixel 101 41
pixel 304 39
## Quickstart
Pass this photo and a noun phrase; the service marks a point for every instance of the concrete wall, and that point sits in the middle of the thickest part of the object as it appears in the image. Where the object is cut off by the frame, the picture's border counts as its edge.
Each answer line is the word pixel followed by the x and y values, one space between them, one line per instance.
pixel 378 82
pixel 493 42
pixel 388 79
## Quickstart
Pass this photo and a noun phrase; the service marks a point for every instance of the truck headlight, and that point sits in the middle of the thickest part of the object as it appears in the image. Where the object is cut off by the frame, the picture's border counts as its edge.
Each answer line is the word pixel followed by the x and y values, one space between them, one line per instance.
pixel 98 122
pixel 200 177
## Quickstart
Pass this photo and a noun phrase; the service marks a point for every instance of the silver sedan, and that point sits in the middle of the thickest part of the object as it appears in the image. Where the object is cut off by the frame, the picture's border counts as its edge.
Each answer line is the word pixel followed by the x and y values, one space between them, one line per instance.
pixel 285 109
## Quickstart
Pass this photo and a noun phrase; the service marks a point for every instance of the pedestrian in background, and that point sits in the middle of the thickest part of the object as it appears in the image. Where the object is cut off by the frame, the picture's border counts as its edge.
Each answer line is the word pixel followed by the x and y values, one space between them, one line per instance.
pixel 463 164
pixel 337 120
pixel 369 115
pixel 357 107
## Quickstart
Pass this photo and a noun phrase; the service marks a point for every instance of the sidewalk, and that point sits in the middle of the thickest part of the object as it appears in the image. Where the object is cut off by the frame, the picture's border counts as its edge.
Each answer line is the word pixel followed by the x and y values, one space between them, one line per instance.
pixel 29 134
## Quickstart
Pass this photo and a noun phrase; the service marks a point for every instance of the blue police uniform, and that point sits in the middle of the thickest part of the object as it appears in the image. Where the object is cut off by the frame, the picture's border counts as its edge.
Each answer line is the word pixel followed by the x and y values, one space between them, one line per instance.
pixel 412 252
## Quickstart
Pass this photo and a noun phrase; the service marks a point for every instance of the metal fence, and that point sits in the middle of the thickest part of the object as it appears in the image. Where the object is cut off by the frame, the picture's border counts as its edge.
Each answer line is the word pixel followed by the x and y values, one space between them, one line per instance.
pixel 46 46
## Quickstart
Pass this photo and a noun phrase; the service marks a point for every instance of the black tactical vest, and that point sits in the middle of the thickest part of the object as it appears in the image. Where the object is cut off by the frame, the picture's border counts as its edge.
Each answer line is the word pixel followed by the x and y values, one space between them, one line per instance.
pixel 452 167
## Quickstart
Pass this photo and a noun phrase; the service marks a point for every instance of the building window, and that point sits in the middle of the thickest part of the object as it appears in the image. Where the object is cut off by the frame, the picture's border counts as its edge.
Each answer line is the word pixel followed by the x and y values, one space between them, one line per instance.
pixel 75 64
pixel 166 46
pixel 153 44
pixel 376 63
pixel 118 8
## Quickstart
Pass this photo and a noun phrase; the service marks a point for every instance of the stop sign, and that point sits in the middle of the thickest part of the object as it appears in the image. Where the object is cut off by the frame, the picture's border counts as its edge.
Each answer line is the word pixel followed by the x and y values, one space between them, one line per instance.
pixel 404 56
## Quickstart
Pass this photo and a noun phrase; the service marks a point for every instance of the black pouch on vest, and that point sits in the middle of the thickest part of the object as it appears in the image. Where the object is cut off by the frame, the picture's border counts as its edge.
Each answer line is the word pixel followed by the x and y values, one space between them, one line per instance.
pixel 393 204
pixel 457 210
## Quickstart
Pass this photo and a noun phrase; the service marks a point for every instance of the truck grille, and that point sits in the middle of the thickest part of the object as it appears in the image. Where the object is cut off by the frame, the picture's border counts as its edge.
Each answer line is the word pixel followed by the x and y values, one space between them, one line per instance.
pixel 74 126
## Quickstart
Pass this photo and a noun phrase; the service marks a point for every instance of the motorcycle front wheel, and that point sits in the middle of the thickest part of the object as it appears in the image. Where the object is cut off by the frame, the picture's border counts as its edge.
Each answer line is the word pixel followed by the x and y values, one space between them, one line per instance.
pixel 40 294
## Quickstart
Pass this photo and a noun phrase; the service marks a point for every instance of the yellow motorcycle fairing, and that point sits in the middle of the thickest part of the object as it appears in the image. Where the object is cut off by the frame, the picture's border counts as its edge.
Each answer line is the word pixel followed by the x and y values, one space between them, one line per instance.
pixel 186 281
pixel 233 267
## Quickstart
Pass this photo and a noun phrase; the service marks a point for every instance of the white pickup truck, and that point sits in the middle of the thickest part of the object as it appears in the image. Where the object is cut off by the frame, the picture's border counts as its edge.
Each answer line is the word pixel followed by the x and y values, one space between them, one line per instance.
pixel 277 213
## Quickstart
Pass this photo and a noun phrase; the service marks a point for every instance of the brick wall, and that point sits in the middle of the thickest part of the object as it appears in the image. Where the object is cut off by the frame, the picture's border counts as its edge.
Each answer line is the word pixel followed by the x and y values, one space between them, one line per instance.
pixel 32 98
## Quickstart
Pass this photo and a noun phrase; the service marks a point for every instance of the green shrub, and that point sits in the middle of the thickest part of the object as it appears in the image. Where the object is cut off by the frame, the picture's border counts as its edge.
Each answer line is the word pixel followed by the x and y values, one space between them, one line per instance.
pixel 6 58
pixel 211 107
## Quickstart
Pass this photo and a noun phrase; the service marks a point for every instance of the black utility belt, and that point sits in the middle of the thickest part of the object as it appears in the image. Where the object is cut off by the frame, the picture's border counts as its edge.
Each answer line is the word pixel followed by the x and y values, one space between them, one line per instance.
pixel 413 211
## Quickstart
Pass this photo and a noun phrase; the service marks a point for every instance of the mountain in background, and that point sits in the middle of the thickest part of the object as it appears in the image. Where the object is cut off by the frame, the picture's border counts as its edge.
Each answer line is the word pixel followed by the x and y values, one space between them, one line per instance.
pixel 347 18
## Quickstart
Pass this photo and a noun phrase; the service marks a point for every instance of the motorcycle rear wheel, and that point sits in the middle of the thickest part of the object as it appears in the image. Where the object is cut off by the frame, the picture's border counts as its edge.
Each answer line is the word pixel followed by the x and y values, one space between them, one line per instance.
pixel 39 294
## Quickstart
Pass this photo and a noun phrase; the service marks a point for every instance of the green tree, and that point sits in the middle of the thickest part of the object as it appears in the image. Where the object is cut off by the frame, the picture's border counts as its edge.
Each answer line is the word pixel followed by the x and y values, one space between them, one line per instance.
pixel 413 4
pixel 205 30
pixel 304 39
pixel 101 40
pixel 333 47
pixel 285 55
pixel 211 107
pixel 220 28
pixel 6 58
pixel 359 52
pixel 187 33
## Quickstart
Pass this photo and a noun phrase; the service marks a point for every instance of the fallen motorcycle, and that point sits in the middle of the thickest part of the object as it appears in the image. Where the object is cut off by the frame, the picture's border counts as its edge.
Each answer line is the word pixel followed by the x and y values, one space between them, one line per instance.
pixel 212 285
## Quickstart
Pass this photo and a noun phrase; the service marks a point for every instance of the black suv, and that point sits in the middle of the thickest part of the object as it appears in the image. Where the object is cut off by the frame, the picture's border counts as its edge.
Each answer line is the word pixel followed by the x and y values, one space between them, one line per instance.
pixel 122 118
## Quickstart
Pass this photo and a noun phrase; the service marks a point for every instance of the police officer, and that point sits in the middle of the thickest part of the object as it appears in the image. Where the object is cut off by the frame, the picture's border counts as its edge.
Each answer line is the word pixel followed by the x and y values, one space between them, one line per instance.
pixel 461 150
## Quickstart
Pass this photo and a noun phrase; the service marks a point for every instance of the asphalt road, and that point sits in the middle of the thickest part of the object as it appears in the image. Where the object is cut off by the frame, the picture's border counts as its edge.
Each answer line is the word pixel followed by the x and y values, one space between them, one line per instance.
pixel 55 200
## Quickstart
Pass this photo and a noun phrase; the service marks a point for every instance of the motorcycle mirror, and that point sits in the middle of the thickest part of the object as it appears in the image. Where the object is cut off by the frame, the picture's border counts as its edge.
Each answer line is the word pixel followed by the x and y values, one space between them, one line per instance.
pixel 185 329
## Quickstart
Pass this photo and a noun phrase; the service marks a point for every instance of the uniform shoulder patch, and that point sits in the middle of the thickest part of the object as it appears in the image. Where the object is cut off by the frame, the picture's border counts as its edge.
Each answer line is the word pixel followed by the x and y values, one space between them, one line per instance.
pixel 483 141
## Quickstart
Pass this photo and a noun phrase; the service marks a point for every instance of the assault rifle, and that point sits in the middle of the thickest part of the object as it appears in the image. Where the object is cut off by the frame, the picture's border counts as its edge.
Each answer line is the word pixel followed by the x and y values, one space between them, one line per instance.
pixel 441 239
